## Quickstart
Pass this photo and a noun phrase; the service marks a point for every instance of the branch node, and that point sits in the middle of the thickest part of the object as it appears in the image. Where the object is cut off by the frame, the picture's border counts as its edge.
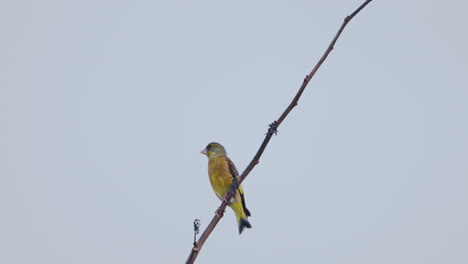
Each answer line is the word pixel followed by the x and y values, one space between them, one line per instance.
pixel 220 212
pixel 273 128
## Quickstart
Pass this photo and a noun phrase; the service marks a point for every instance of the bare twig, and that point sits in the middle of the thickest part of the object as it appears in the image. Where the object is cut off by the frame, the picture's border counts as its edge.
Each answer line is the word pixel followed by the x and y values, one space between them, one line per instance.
pixel 196 230
pixel 271 131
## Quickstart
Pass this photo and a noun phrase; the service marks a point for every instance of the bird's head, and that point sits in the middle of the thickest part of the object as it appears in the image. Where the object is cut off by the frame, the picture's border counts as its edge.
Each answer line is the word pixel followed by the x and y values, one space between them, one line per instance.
pixel 214 150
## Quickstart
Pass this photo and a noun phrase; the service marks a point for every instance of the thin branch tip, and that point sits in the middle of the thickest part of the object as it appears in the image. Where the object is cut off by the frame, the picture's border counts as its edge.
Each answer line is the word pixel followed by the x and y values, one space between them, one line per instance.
pixel 196 230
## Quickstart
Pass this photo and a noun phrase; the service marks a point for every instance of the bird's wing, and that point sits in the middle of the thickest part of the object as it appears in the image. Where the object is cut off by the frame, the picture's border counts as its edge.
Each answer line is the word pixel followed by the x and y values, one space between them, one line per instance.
pixel 232 169
pixel 235 174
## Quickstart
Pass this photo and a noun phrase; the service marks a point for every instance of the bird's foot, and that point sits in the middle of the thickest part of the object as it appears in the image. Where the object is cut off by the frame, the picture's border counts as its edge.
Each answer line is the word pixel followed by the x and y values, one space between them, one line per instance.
pixel 226 198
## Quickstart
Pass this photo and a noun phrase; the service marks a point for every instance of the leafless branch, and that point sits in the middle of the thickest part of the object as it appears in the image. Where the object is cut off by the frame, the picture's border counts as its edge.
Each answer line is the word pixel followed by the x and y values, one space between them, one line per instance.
pixel 271 131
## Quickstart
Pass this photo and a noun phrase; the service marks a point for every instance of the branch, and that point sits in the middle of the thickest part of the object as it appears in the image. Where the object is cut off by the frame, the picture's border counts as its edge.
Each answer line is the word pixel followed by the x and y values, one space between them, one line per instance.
pixel 272 130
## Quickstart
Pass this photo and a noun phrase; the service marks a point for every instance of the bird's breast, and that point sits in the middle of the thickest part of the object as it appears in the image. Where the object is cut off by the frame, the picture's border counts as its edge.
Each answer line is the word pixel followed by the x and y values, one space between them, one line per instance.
pixel 219 175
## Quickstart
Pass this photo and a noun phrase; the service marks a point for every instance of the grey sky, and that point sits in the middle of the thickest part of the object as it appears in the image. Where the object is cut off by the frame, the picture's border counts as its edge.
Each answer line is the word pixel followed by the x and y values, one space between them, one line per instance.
pixel 105 105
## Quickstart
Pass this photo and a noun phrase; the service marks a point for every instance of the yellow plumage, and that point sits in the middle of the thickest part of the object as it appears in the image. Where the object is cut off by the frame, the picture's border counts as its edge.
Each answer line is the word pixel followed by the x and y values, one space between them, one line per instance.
pixel 221 171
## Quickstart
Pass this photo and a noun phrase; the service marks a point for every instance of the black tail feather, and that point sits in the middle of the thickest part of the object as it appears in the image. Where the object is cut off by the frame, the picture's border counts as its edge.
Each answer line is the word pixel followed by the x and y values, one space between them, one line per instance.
pixel 246 211
pixel 243 223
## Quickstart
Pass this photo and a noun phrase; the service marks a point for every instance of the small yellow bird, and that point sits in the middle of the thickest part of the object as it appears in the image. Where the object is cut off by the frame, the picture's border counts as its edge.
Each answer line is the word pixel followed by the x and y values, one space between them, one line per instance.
pixel 221 171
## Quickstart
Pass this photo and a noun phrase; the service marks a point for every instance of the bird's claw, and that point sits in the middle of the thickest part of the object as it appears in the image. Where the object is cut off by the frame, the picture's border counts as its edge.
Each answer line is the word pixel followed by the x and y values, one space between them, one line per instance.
pixel 226 198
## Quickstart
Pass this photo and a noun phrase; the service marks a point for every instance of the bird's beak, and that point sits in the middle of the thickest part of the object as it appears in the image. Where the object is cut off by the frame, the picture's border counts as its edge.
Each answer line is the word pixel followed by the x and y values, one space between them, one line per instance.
pixel 203 152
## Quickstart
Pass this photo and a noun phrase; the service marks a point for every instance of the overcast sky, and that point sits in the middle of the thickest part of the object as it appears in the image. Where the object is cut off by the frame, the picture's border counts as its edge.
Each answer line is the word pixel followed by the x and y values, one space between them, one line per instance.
pixel 105 105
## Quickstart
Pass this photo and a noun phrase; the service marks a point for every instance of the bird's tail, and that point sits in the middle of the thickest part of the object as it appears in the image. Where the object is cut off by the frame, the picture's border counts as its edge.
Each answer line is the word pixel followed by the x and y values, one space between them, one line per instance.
pixel 241 216
pixel 243 223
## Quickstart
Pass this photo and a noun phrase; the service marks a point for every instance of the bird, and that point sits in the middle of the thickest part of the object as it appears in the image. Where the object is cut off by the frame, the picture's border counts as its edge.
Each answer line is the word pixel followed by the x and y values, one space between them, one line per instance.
pixel 221 171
